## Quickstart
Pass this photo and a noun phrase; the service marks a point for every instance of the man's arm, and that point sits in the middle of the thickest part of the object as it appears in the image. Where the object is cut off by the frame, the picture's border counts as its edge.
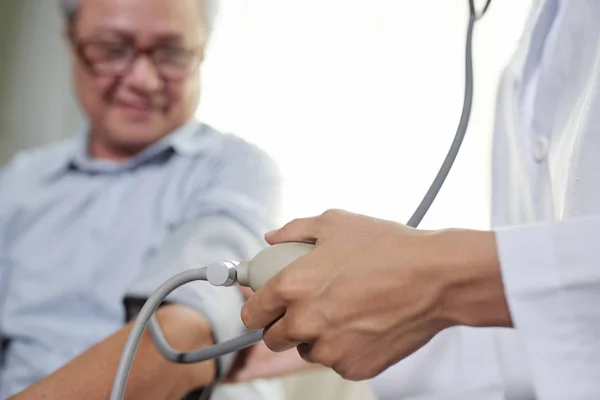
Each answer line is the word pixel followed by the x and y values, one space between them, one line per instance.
pixel 90 376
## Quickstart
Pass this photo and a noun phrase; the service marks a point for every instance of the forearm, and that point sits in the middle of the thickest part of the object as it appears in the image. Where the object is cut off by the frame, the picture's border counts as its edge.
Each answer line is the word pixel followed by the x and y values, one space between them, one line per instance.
pixel 472 290
pixel 90 376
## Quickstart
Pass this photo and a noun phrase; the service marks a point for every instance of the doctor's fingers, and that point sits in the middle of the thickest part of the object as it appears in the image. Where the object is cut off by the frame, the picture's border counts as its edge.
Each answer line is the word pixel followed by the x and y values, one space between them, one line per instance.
pixel 299 281
pixel 350 355
pixel 324 351
pixel 309 230
pixel 298 230
pixel 265 306
pixel 272 300
pixel 300 324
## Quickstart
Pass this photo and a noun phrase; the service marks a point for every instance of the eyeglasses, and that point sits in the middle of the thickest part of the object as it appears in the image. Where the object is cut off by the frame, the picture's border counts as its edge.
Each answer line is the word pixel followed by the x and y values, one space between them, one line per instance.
pixel 113 58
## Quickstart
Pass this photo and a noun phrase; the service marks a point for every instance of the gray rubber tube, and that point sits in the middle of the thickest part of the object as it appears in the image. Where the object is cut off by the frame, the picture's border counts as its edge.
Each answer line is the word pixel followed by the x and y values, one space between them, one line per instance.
pixel 146 316
pixel 135 336
pixel 189 357
pixel 255 281
pixel 461 131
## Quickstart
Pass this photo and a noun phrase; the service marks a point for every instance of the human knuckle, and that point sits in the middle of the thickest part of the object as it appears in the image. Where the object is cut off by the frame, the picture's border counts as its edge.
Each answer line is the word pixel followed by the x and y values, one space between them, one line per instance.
pixel 299 327
pixel 324 354
pixel 285 287
pixel 327 221
pixel 350 372
pixel 293 223
pixel 333 214
pixel 270 341
pixel 341 369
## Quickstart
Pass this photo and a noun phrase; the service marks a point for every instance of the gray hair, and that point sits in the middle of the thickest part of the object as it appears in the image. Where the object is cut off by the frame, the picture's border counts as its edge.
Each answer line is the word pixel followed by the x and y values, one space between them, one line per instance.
pixel 211 10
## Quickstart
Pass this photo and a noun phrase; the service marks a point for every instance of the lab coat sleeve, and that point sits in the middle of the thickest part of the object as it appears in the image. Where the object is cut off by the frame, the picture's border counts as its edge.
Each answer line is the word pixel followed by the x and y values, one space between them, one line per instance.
pixel 551 273
pixel 226 221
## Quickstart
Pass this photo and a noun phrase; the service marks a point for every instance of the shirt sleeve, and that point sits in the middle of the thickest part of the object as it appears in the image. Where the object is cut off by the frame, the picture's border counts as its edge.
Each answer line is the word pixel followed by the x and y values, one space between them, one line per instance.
pixel 7 177
pixel 551 273
pixel 224 222
pixel 6 173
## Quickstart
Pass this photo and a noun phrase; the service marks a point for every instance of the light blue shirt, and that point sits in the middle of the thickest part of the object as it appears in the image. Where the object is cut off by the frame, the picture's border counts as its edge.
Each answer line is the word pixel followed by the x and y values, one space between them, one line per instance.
pixel 78 236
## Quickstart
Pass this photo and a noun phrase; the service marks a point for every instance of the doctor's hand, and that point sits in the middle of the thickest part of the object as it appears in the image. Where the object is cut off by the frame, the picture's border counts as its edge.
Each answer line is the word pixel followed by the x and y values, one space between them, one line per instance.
pixel 372 292
pixel 259 362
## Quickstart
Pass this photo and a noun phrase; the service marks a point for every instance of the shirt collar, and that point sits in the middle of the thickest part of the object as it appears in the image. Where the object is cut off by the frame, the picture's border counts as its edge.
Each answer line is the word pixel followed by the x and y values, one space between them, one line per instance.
pixel 189 139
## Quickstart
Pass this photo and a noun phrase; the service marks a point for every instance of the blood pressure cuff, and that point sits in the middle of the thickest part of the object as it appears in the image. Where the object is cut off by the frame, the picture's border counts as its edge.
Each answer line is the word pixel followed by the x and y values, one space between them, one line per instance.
pixel 221 310
pixel 191 246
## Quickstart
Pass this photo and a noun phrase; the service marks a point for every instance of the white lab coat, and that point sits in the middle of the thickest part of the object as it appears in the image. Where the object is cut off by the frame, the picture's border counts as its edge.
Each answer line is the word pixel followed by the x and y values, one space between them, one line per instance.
pixel 546 212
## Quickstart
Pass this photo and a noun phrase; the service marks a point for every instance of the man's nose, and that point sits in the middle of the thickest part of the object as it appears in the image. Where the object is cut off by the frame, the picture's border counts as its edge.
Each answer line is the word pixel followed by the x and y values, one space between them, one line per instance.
pixel 143 75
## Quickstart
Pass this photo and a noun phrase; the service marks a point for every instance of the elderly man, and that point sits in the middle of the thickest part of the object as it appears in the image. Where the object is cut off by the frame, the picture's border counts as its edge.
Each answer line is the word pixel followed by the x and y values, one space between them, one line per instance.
pixel 81 221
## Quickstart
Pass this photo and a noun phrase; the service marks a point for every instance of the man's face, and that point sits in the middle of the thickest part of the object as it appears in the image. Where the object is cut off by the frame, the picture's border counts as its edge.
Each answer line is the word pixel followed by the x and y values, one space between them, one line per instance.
pixel 134 100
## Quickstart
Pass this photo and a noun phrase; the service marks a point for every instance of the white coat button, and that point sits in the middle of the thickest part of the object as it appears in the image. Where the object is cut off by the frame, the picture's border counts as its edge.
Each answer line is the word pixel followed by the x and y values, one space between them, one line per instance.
pixel 516 85
pixel 540 149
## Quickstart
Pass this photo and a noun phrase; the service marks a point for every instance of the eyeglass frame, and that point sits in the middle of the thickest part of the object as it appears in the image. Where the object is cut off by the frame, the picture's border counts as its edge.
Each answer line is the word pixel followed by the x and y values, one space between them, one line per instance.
pixel 136 52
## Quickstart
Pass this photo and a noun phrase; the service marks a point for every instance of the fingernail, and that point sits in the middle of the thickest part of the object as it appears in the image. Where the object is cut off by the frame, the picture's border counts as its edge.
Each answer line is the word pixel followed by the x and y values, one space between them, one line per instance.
pixel 271 233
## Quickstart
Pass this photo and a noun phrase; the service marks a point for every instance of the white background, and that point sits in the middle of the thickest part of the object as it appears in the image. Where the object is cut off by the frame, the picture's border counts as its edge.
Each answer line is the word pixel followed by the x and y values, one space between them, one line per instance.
pixel 358 100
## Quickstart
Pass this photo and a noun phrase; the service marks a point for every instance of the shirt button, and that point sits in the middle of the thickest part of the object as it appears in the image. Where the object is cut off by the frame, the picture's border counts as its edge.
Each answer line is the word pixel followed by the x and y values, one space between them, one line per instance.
pixel 540 149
